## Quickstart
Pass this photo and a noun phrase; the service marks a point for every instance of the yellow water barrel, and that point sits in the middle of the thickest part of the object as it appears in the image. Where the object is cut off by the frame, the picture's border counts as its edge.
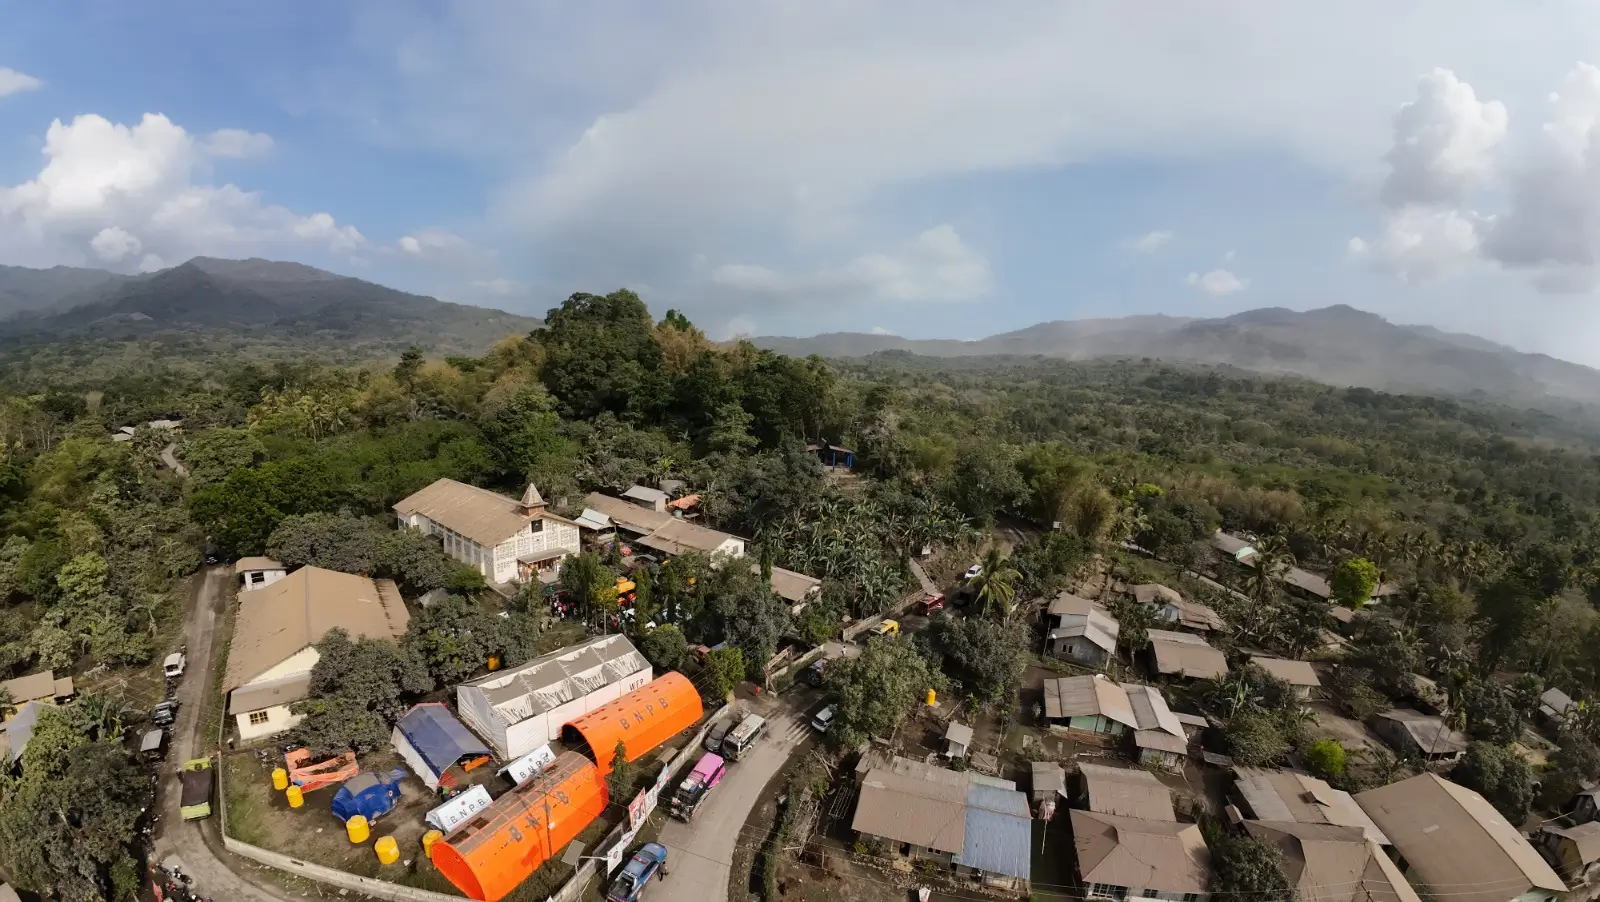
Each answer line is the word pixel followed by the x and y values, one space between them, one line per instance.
pixel 933 698
pixel 428 839
pixel 388 850
pixel 358 828
pixel 295 796
pixel 280 779
pixel 494 662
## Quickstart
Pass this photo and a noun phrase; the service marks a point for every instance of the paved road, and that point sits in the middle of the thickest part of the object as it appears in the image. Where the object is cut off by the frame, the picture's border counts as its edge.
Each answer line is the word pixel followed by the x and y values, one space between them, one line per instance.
pixel 213 875
pixel 700 853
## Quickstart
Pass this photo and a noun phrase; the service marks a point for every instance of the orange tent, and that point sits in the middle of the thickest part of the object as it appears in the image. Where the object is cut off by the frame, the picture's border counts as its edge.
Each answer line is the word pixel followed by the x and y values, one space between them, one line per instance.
pixel 489 855
pixel 642 719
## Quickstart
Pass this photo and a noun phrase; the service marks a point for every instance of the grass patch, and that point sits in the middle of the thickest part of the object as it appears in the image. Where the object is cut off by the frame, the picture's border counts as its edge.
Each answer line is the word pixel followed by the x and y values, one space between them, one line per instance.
pixel 247 814
pixel 214 700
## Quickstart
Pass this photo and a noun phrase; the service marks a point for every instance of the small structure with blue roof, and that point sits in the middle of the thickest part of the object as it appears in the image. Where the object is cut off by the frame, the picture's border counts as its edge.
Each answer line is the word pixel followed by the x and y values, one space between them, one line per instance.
pixel 432 741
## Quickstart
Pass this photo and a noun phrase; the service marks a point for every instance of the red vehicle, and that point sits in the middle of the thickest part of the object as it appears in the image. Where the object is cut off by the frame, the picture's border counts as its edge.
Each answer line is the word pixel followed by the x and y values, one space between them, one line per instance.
pixel 933 601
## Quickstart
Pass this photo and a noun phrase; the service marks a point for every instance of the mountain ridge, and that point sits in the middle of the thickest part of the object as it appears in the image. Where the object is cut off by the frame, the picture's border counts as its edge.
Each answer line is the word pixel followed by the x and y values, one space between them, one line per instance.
pixel 1339 345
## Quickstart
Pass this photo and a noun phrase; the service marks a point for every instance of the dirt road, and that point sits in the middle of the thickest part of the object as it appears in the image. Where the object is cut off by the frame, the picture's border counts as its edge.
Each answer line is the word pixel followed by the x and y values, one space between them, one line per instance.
pixel 700 853
pixel 213 876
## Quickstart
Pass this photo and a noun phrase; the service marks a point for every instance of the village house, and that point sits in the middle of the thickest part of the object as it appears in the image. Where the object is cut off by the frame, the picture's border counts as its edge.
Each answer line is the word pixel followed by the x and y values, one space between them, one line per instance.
pixel 1554 705
pixel 831 455
pixel 255 572
pixel 1124 792
pixel 1427 736
pixel 521 708
pixel 507 541
pixel 1299 674
pixel 1120 858
pixel 980 827
pixel 1573 852
pixel 42 687
pixel 1281 796
pixel 1171 607
pixel 1185 656
pixel 1450 842
pixel 1094 704
pixel 276 631
pixel 648 498
pixel 1331 863
pixel 1081 631
pixel 1297 580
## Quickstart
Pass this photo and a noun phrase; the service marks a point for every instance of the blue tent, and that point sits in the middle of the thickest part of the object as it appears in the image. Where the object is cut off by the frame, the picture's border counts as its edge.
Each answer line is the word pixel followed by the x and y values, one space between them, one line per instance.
pixel 369 795
pixel 431 740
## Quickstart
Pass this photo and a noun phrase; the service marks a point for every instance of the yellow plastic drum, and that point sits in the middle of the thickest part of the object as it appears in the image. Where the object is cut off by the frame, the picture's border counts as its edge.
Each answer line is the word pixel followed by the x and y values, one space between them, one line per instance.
pixel 280 779
pixel 388 850
pixel 358 828
pixel 296 796
pixel 933 698
pixel 428 839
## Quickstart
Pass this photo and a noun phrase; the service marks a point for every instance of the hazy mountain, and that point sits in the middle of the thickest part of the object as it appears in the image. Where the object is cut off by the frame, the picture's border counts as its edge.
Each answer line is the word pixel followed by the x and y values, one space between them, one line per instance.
pixel 256 301
pixel 1338 345
pixel 23 289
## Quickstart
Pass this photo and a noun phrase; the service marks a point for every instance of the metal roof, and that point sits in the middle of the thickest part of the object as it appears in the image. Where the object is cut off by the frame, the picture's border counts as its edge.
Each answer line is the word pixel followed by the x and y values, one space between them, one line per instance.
pixel 1161 856
pixel 999 832
pixel 1430 734
pixel 485 517
pixel 912 809
pixel 959 733
pixel 278 620
pixel 1088 696
pixel 1296 673
pixel 647 495
pixel 1280 796
pixel 1182 654
pixel 1068 603
pixel 1330 863
pixel 1150 710
pixel 246 564
pixel 551 680
pixel 1126 792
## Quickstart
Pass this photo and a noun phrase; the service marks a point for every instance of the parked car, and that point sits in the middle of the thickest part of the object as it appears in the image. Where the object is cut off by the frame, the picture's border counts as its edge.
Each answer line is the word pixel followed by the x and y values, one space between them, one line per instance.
pixel 812 676
pixel 714 735
pixel 174 665
pixel 164 713
pixel 973 572
pixel 742 737
pixel 644 864
pixel 889 628
pixel 933 601
pixel 823 721
pixel 153 745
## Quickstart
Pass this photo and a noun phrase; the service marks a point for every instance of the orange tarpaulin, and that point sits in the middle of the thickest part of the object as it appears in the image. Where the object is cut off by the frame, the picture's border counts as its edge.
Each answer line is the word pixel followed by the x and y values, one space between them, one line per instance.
pixel 499 848
pixel 642 719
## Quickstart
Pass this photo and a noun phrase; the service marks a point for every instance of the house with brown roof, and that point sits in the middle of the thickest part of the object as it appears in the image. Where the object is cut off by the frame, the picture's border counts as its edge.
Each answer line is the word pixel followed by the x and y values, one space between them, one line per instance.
pixel 43 687
pixel 1185 656
pixel 1282 796
pixel 1573 851
pixel 1299 674
pixel 507 540
pixel 1095 704
pixel 1450 842
pixel 1130 858
pixel 1081 630
pixel 1330 863
pixel 1124 792
pixel 1171 607
pixel 276 632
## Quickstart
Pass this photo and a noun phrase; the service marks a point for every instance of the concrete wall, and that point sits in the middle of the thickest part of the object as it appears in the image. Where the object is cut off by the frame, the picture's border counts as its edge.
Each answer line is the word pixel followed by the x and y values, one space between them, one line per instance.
pixel 377 889
pixel 279 719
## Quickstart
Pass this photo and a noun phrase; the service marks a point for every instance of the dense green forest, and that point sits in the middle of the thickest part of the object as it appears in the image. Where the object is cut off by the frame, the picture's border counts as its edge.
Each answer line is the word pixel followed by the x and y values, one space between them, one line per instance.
pixel 1485 516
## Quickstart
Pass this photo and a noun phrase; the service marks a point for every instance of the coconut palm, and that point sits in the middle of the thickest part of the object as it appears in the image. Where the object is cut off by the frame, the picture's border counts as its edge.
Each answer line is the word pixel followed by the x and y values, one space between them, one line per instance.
pixel 997 584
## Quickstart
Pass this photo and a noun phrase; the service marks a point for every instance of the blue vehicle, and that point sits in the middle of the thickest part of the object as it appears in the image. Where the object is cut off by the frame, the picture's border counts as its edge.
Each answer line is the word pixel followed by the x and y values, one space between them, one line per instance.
pixel 644 864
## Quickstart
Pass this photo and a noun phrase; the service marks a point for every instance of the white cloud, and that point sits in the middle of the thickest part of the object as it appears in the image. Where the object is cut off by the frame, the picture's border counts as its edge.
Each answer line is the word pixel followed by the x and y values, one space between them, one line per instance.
pixel 14 82
pixel 151 263
pixel 1217 281
pixel 500 288
pixel 935 266
pixel 738 327
pixel 440 246
pixel 1150 242
pixel 879 330
pixel 1444 142
pixel 1421 244
pixel 236 144
pixel 146 180
pixel 112 244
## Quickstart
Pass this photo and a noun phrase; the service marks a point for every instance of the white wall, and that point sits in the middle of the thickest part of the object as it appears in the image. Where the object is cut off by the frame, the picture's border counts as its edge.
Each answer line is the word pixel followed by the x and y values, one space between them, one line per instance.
pixel 255 579
pixel 300 662
pixel 279 718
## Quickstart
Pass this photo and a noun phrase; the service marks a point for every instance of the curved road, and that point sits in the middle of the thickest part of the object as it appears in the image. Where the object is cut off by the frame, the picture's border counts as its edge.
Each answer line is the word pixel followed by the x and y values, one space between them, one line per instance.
pixel 200 844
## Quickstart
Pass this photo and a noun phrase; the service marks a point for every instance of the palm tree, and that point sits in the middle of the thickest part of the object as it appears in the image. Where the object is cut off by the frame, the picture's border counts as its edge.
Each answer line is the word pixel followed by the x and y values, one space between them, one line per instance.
pixel 997 583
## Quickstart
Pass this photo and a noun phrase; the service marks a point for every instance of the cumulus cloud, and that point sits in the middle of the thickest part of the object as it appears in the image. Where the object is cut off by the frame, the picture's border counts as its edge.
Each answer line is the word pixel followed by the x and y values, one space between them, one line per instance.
pixel 236 144
pixel 103 180
pixel 1150 242
pixel 440 246
pixel 151 263
pixel 113 244
pixel 1217 281
pixel 935 266
pixel 14 82
pixel 1444 142
pixel 1420 244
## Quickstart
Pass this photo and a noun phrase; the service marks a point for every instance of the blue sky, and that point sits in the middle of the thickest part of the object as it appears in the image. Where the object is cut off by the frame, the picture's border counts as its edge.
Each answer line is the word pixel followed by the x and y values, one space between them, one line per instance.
pixel 936 168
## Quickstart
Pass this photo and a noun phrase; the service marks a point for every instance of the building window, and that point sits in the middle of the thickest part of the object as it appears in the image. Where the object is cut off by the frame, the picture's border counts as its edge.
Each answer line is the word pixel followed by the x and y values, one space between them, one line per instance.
pixel 1191 897
pixel 1108 891
pixel 257 718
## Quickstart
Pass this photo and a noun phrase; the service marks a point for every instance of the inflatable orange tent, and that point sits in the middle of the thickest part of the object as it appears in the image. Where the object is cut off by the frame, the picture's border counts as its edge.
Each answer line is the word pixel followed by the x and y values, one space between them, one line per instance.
pixel 642 719
pixel 489 855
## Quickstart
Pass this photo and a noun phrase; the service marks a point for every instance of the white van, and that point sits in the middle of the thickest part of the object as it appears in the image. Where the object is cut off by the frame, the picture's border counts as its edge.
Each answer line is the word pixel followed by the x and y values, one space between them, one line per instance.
pixel 173 667
pixel 742 737
pixel 823 722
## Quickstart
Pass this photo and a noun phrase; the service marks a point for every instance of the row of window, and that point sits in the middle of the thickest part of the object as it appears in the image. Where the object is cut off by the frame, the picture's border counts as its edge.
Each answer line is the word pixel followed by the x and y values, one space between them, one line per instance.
pixel 1112 891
